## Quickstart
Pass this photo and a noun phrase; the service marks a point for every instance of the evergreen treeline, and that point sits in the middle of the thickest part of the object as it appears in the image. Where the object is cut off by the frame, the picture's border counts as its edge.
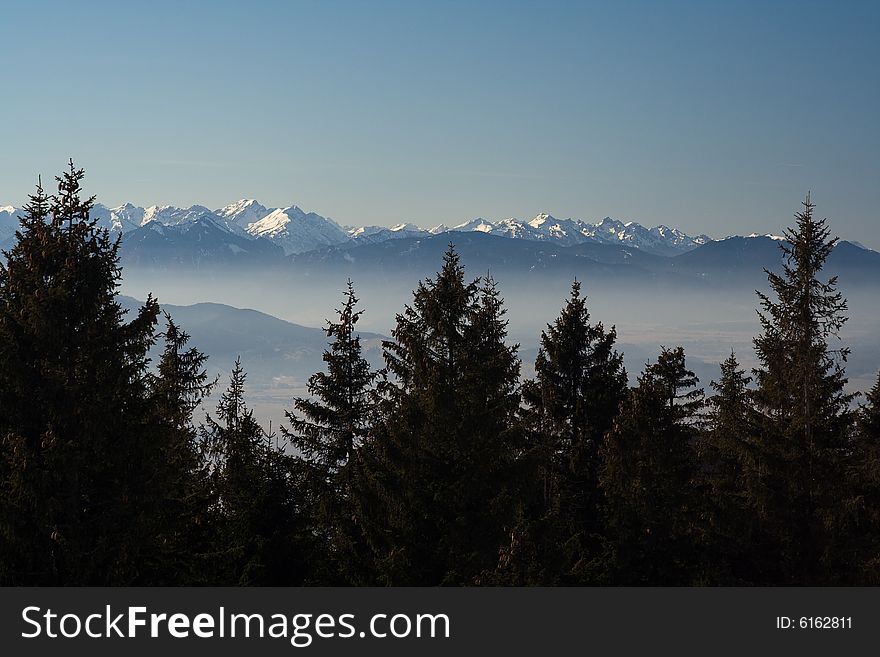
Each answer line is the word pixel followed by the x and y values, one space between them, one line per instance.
pixel 445 467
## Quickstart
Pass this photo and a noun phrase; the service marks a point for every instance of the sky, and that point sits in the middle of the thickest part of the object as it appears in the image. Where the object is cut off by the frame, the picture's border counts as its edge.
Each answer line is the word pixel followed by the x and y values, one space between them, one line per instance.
pixel 714 117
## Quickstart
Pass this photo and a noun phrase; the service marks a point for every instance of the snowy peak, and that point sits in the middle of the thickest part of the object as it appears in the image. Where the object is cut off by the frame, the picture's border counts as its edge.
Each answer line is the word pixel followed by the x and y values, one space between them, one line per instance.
pixel 172 216
pixel 297 231
pixel 8 223
pixel 479 224
pixel 660 240
pixel 407 227
pixel 777 238
pixel 376 234
pixel 244 212
pixel 541 219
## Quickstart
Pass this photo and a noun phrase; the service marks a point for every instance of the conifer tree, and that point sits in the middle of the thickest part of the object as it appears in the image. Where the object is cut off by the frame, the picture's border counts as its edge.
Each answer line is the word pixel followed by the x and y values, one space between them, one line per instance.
pixel 25 553
pixel 255 514
pixel 181 487
pixel 326 429
pixel 436 489
pixel 804 410
pixel 726 452
pixel 74 402
pixel 648 475
pixel 579 385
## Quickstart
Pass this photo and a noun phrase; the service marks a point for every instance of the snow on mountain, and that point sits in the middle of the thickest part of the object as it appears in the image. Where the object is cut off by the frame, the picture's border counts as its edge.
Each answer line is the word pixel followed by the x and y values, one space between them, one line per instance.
pixel 117 220
pixel 297 231
pixel 172 216
pixel 376 234
pixel 127 217
pixel 8 224
pixel 244 212
pixel 480 225
pixel 660 240
pixel 777 238
pixel 203 241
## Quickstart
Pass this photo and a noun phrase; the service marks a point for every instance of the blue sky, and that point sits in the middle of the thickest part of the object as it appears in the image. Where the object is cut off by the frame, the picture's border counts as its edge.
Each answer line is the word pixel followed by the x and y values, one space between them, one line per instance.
pixel 711 116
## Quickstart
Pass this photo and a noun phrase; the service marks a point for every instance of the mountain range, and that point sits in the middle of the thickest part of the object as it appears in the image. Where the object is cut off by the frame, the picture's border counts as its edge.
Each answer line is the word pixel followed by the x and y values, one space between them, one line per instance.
pixel 307 245
pixel 296 231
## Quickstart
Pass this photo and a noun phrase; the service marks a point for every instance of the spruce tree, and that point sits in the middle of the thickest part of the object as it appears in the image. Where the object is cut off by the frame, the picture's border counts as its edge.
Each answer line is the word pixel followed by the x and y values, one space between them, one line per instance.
pixel 726 454
pixel 437 485
pixel 325 430
pixel 579 385
pixel 74 402
pixel 648 475
pixel 797 472
pixel 181 488
pixel 25 553
pixel 255 515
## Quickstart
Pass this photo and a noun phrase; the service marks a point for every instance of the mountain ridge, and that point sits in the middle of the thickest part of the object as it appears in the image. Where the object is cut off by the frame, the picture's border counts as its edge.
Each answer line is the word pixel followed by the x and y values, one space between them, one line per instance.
pixel 297 231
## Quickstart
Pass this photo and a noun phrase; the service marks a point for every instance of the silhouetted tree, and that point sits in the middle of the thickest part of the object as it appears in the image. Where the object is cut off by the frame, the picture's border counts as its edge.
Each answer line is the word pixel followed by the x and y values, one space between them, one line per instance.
pixel 74 404
pixel 796 478
pixel 326 429
pixel 579 385
pixel 727 454
pixel 648 475
pixel 180 486
pixel 256 514
pixel 436 486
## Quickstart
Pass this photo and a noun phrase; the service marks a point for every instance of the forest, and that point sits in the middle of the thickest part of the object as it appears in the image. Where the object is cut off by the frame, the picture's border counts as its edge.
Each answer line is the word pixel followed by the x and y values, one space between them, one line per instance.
pixel 446 466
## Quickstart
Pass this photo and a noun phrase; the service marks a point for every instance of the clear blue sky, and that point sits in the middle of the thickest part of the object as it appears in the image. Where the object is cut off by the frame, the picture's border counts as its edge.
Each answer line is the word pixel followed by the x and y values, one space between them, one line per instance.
pixel 711 116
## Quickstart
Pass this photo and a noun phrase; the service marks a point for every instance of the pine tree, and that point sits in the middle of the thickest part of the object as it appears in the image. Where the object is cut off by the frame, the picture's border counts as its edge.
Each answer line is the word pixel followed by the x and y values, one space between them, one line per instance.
pixel 182 493
pixel 437 483
pixel 726 454
pixel 74 400
pixel 804 409
pixel 326 429
pixel 256 512
pixel 648 475
pixel 25 554
pixel 579 385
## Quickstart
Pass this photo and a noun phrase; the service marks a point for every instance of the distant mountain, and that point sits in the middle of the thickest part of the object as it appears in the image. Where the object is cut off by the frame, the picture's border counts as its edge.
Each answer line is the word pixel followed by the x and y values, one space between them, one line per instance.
pixel 741 260
pixel 660 240
pixel 271 345
pixel 278 356
pixel 8 225
pixel 410 259
pixel 201 243
pixel 376 234
pixel 249 233
pixel 245 212
pixel 735 261
pixel 297 231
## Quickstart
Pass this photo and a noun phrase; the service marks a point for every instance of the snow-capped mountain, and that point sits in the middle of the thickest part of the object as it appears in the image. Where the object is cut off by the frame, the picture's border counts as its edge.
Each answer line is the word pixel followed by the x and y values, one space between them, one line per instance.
pixel 297 231
pixel 375 234
pixel 202 242
pixel 660 240
pixel 245 212
pixel 120 220
pixel 8 224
